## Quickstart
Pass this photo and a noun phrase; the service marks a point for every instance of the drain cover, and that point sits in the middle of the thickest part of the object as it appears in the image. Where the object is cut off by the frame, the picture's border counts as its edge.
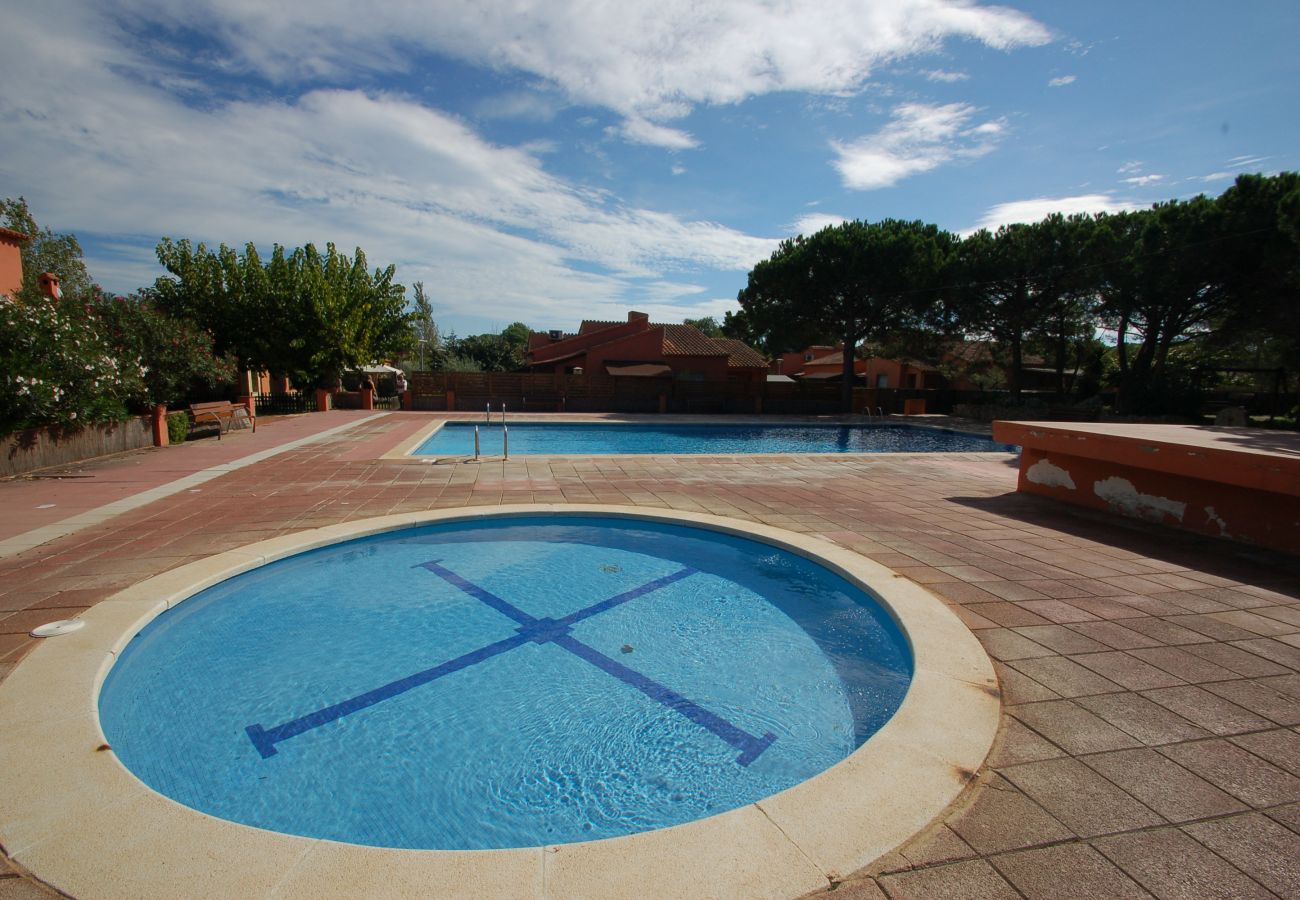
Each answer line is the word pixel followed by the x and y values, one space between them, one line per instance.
pixel 63 626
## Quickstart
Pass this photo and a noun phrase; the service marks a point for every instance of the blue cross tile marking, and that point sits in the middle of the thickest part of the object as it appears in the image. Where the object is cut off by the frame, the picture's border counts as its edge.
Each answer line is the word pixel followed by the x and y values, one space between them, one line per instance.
pixel 539 631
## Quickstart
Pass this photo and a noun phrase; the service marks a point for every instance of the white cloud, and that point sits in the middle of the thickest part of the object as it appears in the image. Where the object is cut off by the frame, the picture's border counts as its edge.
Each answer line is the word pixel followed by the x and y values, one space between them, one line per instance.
pixel 945 77
pixel 646 60
pixel 815 222
pixel 1040 207
pixel 642 131
pixel 1062 80
pixel 485 226
pixel 918 138
pixel 1143 180
pixel 1215 176
pixel 1129 167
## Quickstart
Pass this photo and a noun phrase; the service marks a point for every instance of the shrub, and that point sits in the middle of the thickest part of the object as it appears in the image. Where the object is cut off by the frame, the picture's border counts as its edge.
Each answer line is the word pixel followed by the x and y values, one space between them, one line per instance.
pixel 178 427
pixel 59 367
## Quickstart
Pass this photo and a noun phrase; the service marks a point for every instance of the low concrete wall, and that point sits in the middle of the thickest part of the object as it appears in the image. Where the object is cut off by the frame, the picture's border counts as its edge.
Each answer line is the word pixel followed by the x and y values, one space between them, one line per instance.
pixel 39 448
pixel 1237 483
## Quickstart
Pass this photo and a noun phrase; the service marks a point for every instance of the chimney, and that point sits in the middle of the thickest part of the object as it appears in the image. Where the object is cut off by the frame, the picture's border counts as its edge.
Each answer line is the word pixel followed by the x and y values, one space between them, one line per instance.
pixel 638 317
pixel 50 285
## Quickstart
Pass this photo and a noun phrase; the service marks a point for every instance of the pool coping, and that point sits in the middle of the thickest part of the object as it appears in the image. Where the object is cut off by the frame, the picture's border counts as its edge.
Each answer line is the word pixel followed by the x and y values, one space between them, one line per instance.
pixel 79 821
pixel 405 450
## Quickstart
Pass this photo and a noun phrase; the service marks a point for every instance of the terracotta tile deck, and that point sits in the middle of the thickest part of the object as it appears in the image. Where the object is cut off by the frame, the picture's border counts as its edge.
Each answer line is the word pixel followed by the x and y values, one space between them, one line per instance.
pixel 1151 679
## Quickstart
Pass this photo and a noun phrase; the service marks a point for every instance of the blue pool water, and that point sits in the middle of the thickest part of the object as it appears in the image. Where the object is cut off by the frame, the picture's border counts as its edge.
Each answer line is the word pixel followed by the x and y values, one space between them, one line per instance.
pixel 509 683
pixel 457 439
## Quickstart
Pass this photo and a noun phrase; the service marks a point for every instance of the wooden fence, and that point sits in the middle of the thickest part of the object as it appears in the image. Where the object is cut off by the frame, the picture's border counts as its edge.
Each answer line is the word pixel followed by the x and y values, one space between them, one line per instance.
pixel 547 392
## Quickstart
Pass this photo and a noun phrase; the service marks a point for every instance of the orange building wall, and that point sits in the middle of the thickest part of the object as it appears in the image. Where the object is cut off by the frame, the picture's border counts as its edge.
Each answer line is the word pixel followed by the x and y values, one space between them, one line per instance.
pixel 11 262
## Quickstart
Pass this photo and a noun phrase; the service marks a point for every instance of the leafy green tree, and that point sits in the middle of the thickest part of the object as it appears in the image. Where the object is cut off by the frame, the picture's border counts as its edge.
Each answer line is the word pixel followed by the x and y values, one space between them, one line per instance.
pixel 857 281
pixel 1022 282
pixel 46 252
pixel 305 314
pixel 175 356
pixel 1262 324
pixel 1165 277
pixel 708 326
pixel 503 352
pixel 425 329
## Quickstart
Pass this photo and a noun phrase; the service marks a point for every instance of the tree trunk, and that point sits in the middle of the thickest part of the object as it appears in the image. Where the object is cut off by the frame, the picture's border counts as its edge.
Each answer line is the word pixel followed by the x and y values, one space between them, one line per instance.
pixel 848 377
pixel 1017 360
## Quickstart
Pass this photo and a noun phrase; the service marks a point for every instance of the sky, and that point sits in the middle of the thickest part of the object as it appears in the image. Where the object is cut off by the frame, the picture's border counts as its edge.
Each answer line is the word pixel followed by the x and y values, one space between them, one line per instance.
pixel 549 161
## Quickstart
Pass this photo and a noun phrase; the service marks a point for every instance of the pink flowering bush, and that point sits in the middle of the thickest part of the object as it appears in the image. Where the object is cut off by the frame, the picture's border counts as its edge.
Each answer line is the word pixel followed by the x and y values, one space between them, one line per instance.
pixel 74 363
pixel 59 366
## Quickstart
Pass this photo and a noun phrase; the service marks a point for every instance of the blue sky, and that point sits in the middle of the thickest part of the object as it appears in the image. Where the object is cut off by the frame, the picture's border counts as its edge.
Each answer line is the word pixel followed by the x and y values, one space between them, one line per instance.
pixel 561 160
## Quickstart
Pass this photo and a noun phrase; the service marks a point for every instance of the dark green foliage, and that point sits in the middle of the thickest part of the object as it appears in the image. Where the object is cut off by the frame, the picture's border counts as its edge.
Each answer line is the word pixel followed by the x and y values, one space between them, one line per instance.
pixel 857 281
pixel 178 428
pixel 175 356
pixel 305 314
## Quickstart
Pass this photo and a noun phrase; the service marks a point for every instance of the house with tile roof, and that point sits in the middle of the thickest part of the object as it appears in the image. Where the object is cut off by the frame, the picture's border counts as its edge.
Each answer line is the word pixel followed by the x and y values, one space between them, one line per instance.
pixel 639 348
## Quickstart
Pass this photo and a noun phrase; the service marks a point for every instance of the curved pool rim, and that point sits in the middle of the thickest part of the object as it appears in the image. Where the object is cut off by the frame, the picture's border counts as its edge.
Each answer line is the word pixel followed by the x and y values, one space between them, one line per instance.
pixel 78 820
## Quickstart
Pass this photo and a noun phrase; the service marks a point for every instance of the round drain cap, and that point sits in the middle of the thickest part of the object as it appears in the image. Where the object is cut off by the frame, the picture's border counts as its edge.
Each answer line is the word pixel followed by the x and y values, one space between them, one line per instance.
pixel 63 626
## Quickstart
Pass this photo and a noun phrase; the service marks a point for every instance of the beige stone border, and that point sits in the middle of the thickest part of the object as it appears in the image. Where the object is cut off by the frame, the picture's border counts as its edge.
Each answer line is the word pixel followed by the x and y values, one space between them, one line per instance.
pixel 72 815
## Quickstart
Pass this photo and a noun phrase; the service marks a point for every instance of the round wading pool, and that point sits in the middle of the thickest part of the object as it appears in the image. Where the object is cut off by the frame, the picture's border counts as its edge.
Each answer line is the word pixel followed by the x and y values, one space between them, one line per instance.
pixel 557 683
pixel 514 682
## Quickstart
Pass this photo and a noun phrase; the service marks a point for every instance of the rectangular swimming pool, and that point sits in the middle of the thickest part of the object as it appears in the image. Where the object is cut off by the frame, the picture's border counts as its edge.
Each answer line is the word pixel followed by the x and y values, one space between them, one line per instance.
pixel 591 438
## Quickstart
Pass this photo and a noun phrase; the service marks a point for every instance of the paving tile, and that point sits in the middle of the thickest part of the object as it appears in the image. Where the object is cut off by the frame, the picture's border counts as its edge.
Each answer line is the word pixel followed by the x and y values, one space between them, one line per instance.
pixel 1016 743
pixel 1253 622
pixel 1242 774
pixel 1106 607
pixel 1284 684
pixel 1018 687
pixel 1213 626
pixel 1287 614
pixel 1079 798
pixel 1127 670
pixel 1145 719
pixel 1002 818
pixel 1073 871
pixel 1182 664
pixel 1067 678
pixel 1271 649
pixel 1061 639
pixel 1115 635
pixel 22 889
pixel 1288 815
pixel 1163 785
pixel 1165 632
pixel 1257 844
pixel 854 889
pixel 1004 644
pixel 1059 611
pixel 1174 866
pixel 1280 747
pixel 1259 698
pixel 1008 615
pixel 1238 660
pixel 973 880
pixel 1072 728
pixel 938 846
pixel 1208 710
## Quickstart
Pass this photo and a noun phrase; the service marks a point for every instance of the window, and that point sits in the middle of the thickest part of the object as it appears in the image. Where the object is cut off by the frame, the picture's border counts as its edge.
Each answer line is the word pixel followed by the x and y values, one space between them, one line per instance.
pixel 882 380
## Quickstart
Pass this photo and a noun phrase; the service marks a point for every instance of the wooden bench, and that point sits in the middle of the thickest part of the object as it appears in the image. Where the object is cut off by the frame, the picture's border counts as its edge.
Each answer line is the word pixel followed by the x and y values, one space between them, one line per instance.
pixel 221 413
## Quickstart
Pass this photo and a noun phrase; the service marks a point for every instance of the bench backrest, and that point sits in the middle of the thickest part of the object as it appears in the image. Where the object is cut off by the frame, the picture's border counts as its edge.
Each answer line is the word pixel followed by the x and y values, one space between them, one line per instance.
pixel 214 406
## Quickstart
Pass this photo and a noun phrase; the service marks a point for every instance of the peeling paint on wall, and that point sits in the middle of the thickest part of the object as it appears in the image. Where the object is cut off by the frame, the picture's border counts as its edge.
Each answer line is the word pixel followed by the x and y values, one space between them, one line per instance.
pixel 1124 498
pixel 1045 473
pixel 1216 520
